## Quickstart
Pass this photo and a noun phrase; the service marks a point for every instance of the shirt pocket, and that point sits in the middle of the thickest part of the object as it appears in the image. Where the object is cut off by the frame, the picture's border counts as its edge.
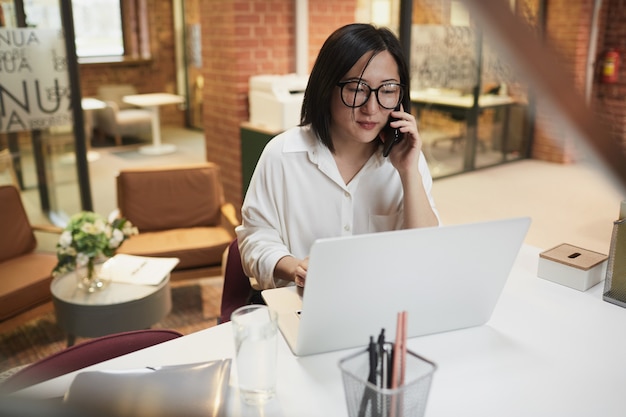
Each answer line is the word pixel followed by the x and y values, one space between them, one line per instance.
pixel 383 222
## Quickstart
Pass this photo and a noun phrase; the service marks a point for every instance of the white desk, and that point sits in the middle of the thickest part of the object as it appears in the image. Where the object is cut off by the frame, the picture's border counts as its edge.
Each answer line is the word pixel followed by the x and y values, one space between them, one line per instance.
pixel 459 101
pixel 152 102
pixel 549 350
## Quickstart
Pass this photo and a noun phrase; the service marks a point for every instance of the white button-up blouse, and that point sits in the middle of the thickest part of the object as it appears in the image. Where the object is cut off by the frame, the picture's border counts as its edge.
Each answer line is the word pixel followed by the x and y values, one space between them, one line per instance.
pixel 297 195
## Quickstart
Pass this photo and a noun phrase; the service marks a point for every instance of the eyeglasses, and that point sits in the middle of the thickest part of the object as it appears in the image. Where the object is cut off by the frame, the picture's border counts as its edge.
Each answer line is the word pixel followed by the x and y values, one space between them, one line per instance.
pixel 356 93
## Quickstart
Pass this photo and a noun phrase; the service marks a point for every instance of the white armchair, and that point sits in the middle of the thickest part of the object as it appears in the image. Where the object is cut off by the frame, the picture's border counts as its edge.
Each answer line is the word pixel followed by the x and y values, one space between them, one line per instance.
pixel 119 119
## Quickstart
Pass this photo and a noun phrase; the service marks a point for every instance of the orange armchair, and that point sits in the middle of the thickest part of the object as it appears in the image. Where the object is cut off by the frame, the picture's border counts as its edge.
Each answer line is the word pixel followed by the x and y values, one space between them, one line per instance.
pixel 180 212
pixel 25 273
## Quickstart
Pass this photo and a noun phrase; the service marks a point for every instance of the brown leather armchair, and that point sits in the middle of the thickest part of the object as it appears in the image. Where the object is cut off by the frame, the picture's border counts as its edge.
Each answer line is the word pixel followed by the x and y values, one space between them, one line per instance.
pixel 180 212
pixel 25 273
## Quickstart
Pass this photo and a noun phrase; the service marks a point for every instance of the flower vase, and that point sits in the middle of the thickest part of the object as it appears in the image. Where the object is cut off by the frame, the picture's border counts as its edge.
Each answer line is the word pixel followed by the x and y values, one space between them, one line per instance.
pixel 88 278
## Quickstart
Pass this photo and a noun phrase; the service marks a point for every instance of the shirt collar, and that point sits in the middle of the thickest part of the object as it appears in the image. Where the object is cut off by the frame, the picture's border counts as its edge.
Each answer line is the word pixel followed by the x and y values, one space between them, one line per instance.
pixel 306 141
pixel 310 143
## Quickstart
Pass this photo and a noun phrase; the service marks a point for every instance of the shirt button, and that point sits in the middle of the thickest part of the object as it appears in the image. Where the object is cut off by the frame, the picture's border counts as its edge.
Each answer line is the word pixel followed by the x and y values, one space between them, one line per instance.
pixel 347 194
pixel 346 228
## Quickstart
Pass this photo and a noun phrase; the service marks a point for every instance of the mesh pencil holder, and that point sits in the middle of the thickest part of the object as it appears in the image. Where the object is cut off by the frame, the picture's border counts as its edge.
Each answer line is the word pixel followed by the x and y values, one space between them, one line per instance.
pixel 615 282
pixel 365 399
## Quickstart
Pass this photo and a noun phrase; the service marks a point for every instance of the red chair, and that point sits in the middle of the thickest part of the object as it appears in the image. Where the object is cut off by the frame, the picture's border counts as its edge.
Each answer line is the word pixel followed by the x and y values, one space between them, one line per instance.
pixel 236 291
pixel 85 354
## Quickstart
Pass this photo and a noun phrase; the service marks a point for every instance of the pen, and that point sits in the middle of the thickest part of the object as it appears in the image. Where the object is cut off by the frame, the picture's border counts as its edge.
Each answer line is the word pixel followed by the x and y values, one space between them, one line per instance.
pixel 373 361
pixel 380 346
pixel 399 363
pixel 139 267
pixel 368 395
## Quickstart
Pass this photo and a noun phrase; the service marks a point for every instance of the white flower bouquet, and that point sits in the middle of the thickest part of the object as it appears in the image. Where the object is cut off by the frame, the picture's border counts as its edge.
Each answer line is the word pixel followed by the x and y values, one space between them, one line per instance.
pixel 88 236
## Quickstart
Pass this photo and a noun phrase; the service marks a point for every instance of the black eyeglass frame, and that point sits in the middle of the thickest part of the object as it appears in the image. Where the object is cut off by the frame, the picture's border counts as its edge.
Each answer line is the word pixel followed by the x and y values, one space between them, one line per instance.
pixel 342 84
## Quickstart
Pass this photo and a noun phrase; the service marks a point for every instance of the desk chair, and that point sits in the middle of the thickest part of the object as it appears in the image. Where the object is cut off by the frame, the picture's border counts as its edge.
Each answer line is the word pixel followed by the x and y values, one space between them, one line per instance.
pixel 180 212
pixel 85 354
pixel 237 290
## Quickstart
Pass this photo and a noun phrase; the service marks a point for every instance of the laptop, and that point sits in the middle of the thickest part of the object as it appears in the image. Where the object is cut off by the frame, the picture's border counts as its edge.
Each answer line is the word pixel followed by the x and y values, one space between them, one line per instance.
pixel 445 278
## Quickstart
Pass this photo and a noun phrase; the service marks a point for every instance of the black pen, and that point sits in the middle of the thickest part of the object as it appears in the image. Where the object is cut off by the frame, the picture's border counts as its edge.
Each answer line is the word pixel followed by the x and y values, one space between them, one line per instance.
pixel 373 361
pixel 368 397
pixel 382 359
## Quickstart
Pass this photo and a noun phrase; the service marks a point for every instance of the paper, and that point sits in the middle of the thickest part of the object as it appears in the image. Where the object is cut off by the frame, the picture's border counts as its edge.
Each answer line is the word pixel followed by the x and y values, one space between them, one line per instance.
pixel 141 270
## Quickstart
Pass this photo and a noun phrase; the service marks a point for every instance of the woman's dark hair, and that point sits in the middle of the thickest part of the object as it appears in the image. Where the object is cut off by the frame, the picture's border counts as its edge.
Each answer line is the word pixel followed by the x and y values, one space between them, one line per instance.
pixel 340 52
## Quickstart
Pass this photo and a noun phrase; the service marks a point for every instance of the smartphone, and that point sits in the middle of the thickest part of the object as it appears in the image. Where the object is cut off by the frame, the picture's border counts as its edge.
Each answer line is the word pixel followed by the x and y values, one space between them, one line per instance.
pixel 393 135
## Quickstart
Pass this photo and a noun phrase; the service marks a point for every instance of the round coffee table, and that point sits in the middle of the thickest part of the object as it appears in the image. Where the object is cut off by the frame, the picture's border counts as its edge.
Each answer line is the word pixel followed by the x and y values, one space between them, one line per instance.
pixel 119 307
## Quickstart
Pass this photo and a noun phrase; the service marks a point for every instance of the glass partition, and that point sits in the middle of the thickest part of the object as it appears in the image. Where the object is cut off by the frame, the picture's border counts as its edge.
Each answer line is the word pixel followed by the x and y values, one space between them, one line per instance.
pixel 472 109
pixel 36 123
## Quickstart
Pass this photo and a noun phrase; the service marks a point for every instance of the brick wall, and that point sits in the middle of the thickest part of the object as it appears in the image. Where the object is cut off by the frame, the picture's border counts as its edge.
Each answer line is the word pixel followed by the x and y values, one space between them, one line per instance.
pixel 611 98
pixel 156 75
pixel 567 31
pixel 244 38
pixel 324 17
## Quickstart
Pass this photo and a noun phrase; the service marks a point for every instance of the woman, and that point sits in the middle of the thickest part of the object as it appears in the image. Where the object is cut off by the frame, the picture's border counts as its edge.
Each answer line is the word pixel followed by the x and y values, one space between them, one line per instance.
pixel 328 177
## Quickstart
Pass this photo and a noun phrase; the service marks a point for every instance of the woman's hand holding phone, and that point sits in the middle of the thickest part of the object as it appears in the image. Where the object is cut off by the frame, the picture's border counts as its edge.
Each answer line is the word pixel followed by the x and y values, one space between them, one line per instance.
pixel 403 138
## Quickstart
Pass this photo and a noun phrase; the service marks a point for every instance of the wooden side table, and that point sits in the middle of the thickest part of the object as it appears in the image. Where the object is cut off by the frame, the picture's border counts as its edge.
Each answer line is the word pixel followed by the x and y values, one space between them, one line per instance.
pixel 117 308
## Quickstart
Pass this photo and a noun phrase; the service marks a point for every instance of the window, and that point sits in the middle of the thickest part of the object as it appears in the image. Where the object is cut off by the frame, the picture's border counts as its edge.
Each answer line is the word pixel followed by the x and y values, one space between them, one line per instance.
pixel 105 30
pixel 98 28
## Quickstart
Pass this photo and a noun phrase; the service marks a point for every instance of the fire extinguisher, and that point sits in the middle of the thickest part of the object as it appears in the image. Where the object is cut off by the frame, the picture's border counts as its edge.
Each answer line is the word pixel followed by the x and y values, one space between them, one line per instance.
pixel 610 66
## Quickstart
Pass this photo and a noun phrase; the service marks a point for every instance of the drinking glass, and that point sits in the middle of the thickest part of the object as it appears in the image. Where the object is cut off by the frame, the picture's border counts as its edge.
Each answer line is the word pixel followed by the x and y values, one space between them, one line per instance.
pixel 255 332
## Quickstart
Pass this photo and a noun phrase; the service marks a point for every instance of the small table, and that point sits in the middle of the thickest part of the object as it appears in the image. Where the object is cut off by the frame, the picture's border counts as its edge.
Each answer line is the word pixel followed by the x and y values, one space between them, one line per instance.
pixel 152 101
pixel 119 307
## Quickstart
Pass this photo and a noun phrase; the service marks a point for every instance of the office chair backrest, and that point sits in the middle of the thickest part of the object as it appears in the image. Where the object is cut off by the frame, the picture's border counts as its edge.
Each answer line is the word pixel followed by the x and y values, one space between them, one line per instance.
pixel 161 198
pixel 236 289
pixel 17 237
pixel 85 354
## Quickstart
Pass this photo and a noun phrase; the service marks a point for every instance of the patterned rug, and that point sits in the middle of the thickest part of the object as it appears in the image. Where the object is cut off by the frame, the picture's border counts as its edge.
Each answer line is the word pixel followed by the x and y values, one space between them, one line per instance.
pixel 194 307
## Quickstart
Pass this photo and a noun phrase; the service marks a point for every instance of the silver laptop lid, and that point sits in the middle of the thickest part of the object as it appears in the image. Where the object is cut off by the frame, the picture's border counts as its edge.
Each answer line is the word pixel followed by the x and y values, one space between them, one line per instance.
pixel 446 278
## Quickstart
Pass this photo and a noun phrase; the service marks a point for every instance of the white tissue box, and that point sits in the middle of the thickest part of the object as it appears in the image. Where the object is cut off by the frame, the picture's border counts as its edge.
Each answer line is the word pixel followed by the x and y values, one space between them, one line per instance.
pixel 572 266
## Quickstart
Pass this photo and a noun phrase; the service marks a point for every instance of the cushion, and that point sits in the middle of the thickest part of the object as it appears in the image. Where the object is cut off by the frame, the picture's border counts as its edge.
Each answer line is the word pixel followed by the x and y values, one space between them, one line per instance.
pixel 195 247
pixel 158 198
pixel 25 282
pixel 133 116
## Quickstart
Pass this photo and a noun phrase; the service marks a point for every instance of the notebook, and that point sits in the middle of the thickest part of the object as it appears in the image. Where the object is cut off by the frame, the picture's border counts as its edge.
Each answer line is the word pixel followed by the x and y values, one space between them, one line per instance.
pixel 446 278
